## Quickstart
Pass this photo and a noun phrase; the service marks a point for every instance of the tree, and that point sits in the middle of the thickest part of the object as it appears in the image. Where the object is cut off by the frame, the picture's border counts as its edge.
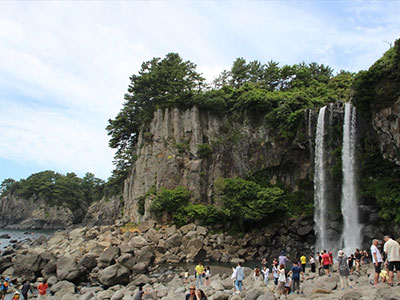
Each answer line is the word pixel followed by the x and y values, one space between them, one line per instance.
pixel 170 82
pixel 239 72
pixel 6 185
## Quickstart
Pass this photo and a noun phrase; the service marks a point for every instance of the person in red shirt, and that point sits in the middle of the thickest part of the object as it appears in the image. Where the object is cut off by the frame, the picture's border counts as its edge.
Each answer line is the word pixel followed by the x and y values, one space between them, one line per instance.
pixel 42 288
pixel 326 261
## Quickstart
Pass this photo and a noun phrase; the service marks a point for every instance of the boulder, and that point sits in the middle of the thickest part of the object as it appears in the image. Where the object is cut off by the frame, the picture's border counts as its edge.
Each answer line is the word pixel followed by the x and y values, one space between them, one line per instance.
pixel 126 247
pixel 220 296
pixel 145 255
pixel 68 269
pixel 139 268
pixel 26 265
pixel 115 274
pixel 189 227
pixel 127 260
pixel 138 242
pixel 170 230
pixel 88 261
pixel 267 296
pixel 69 296
pixel 174 240
pixel 304 230
pixel 62 288
pixel 351 295
pixel 109 256
pixel 217 285
pixel 252 294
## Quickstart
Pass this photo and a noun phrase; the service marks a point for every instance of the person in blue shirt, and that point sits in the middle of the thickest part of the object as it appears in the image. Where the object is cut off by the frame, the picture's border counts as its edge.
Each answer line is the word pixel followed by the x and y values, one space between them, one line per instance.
pixel 296 271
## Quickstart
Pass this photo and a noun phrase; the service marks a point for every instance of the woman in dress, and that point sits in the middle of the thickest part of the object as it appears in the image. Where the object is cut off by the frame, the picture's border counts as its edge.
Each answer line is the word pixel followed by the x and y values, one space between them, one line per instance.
pixel 344 270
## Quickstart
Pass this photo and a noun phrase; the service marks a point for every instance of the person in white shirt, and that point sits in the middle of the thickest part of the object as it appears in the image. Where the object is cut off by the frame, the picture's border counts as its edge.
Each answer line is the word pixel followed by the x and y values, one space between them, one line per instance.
pixel 392 250
pixel 376 259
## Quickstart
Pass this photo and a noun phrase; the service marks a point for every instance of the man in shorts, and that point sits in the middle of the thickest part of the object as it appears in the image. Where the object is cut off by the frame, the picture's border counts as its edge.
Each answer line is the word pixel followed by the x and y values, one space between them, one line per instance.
pixel 326 262
pixel 376 259
pixel 392 250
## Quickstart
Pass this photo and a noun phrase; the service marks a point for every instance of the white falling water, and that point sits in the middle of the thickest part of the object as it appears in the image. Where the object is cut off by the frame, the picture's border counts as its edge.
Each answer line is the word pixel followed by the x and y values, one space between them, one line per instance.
pixel 320 200
pixel 351 227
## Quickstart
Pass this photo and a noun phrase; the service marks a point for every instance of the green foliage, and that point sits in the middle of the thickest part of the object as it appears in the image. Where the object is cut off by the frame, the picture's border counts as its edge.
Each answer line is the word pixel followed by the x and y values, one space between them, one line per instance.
pixel 56 189
pixel 168 201
pixel 277 94
pixel 245 202
pixel 7 186
pixel 207 215
pixel 204 150
pixel 379 87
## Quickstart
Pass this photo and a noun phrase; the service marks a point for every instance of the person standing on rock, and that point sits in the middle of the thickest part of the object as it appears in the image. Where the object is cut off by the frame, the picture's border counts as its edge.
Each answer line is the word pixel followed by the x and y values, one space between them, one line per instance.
pixel 208 276
pixel 350 262
pixel 281 279
pixel 25 289
pixel 376 260
pixel 275 273
pixel 344 271
pixel 392 250
pixel 303 261
pixel 326 261
pixel 239 278
pixel 282 258
pixel 233 277
pixel 199 275
pixel 256 273
pixel 42 288
pixel 4 288
pixel 265 272
pixel 312 263
pixel 295 272
pixel 357 256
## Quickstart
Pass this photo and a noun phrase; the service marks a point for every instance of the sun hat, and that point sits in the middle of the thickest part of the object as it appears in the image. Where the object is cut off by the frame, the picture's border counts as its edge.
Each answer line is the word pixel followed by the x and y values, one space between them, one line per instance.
pixel 341 253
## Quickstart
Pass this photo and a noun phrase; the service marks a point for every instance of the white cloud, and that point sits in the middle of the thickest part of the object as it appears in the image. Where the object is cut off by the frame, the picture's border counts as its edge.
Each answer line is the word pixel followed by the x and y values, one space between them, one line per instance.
pixel 65 65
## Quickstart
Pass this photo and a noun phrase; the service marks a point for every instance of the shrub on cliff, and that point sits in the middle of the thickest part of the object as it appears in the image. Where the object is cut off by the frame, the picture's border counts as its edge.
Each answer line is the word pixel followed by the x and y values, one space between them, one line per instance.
pixel 169 201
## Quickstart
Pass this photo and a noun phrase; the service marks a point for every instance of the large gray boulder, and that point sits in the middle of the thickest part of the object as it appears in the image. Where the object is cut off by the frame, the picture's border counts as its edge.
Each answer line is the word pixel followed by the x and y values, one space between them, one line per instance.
pixel 127 260
pixel 25 266
pixel 115 274
pixel 88 261
pixel 62 288
pixel 68 269
pixel 145 255
pixel 109 256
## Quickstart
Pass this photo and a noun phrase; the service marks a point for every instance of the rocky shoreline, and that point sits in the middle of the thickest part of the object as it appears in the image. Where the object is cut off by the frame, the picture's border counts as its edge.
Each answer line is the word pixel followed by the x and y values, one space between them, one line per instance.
pixel 108 262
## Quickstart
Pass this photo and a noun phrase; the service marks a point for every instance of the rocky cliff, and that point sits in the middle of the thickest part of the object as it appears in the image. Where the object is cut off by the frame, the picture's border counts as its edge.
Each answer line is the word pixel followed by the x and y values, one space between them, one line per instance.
pixel 33 214
pixel 386 123
pixel 193 148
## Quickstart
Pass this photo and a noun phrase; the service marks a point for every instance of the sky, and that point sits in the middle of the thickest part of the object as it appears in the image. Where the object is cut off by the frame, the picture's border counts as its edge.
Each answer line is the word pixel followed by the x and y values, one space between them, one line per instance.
pixel 65 65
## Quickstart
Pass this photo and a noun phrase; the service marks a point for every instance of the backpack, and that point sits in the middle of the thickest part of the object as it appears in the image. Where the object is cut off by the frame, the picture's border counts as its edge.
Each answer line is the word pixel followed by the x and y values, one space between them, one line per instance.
pixel 257 272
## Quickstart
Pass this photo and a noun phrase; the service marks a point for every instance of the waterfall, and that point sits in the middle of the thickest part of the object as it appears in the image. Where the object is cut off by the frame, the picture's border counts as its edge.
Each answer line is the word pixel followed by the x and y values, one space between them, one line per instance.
pixel 351 227
pixel 320 204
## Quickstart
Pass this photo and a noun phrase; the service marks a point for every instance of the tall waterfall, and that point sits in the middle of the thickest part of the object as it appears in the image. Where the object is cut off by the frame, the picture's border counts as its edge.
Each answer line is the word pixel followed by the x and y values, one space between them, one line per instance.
pixel 320 201
pixel 351 227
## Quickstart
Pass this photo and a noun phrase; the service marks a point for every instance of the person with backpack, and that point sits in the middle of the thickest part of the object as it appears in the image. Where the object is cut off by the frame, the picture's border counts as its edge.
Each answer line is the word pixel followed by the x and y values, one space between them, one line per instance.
pixel 256 273
pixel 4 288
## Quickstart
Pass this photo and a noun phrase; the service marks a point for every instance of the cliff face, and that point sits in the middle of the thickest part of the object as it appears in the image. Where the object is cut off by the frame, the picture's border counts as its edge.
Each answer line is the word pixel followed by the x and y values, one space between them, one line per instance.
pixel 168 155
pixel 386 123
pixel 33 214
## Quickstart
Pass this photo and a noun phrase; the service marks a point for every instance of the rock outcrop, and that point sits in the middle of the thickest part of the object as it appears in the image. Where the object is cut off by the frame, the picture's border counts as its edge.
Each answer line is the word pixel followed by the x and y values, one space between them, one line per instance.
pixel 168 155
pixel 386 123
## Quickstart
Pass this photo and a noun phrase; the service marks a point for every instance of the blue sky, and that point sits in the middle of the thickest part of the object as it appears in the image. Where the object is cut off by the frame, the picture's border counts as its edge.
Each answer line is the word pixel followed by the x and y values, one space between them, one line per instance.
pixel 64 66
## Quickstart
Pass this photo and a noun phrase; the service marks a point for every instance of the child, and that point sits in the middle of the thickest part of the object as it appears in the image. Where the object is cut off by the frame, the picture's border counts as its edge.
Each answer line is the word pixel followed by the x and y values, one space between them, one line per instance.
pixel 16 296
pixel 186 276
pixel 208 276
pixel 384 275
pixel 256 273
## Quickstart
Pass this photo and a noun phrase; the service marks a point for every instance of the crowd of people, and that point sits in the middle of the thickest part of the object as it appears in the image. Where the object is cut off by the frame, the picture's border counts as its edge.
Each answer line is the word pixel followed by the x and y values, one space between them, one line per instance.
pixel 385 257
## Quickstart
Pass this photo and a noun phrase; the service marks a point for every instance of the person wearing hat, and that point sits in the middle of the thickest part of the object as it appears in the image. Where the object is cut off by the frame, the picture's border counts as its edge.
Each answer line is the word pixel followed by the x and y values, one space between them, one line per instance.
pixel 42 288
pixel 344 270
pixel 192 293
pixel 4 288
pixel 16 296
